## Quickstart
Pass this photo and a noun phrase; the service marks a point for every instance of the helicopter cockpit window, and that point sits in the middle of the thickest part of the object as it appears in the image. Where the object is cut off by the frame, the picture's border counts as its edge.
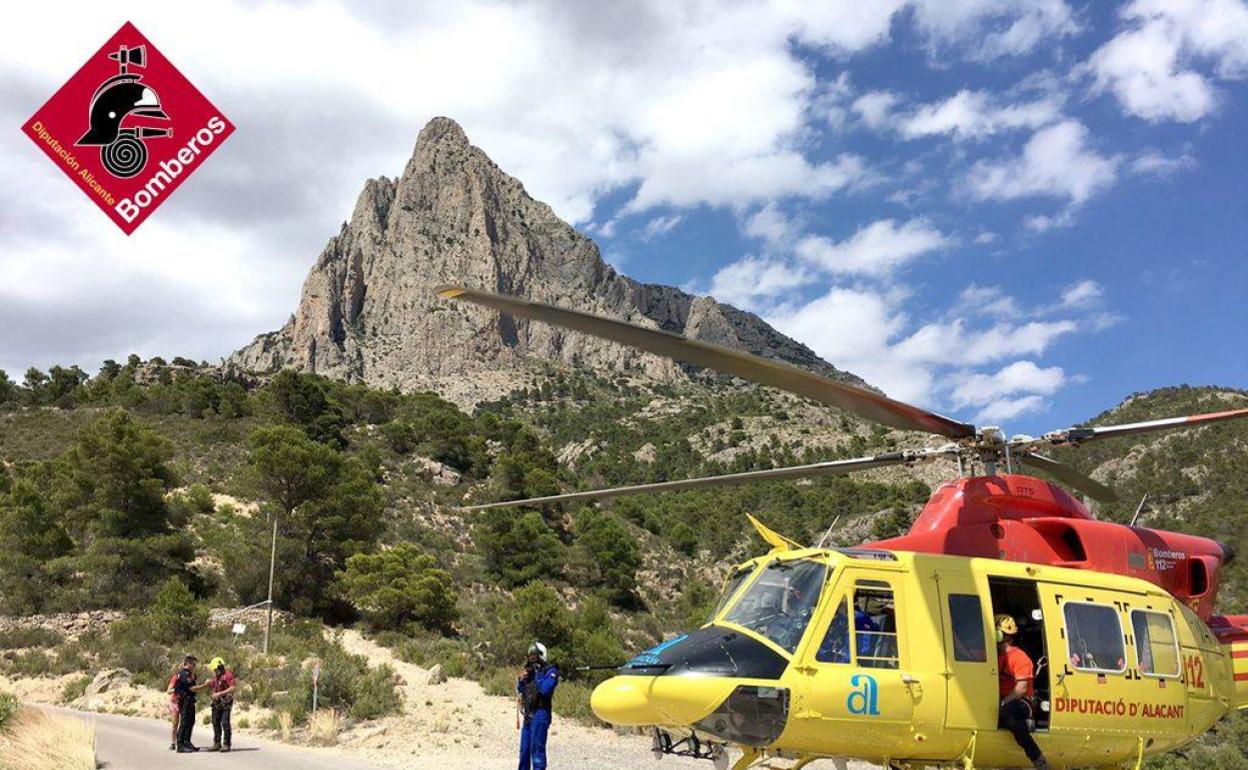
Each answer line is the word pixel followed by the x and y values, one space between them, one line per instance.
pixel 875 625
pixel 730 589
pixel 1156 649
pixel 779 603
pixel 1094 638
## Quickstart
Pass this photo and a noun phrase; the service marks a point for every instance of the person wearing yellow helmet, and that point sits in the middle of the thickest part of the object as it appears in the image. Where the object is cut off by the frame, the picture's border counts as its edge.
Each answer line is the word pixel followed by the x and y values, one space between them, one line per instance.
pixel 222 684
pixel 1017 676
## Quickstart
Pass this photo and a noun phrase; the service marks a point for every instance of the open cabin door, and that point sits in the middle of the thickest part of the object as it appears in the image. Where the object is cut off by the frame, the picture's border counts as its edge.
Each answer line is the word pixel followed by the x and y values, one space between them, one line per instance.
pixel 970 653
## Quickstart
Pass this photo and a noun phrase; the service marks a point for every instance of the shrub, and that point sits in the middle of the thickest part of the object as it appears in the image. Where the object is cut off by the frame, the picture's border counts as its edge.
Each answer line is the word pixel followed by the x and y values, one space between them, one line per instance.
pixel 398 587
pixel 286 721
pixel 614 550
pixel 8 709
pixel 75 688
pixel 324 726
pixel 30 636
pixel 32 663
pixel 374 695
pixel 518 549
pixel 175 615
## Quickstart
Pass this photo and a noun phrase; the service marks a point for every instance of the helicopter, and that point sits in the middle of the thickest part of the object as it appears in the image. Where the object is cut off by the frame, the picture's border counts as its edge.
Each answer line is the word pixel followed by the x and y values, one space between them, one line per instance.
pixel 1130 659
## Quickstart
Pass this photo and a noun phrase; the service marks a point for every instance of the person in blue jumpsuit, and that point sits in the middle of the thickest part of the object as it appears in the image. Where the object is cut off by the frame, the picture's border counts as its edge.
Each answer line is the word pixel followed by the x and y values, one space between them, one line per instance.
pixel 536 688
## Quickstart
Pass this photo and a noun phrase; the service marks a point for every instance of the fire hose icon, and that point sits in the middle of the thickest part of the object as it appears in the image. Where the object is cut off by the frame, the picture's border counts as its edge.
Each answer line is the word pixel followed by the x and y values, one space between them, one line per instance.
pixel 119 98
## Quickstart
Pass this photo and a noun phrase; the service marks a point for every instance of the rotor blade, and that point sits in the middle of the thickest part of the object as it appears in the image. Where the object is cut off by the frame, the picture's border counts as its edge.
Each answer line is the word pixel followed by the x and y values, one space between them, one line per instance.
pixel 1081 435
pixel 859 401
pixel 830 468
pixel 1070 477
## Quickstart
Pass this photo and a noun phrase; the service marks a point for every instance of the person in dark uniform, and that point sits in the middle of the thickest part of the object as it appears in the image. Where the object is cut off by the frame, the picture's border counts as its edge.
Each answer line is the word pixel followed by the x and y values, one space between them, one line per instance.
pixel 1017 676
pixel 185 688
pixel 536 688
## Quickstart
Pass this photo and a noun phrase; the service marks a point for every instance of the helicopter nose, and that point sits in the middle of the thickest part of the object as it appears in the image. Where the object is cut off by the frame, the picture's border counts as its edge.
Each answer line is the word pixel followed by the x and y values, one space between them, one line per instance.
pixel 624 701
pixel 636 701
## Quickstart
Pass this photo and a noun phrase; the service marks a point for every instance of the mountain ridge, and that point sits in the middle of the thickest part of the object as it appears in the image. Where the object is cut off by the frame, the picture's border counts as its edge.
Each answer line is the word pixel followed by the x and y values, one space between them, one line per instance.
pixel 368 313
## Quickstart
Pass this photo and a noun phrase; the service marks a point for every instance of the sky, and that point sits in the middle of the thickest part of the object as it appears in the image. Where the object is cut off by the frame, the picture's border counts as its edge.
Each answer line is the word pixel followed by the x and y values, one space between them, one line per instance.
pixel 1015 213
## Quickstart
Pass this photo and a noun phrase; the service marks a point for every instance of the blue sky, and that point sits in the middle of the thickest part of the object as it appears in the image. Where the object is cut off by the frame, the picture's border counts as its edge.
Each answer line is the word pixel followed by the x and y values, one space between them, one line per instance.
pixel 1013 212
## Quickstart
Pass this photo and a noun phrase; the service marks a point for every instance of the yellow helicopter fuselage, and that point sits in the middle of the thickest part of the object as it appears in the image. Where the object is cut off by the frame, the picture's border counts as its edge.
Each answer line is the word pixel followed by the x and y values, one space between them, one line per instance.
pixel 891 657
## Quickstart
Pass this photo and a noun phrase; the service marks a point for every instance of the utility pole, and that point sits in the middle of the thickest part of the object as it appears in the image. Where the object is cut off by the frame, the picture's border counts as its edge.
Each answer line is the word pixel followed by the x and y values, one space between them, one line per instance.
pixel 268 625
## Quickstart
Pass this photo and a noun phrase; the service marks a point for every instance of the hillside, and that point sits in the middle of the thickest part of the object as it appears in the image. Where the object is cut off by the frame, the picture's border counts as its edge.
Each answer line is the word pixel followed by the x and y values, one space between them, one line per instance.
pixel 1196 480
pixel 368 312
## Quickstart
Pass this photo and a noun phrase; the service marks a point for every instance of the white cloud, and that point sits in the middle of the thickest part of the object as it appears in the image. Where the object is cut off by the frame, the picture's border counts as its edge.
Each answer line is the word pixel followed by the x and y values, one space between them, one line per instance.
pixel 1156 164
pixel 772 225
pixel 1003 409
pixel 980 388
pixel 878 249
pixel 875 108
pixel 660 226
pixel 941 363
pixel 1056 162
pixel 991 29
pixel 987 301
pixel 1085 293
pixel 1042 223
pixel 958 343
pixel 1151 66
pixel 977 114
pixel 747 281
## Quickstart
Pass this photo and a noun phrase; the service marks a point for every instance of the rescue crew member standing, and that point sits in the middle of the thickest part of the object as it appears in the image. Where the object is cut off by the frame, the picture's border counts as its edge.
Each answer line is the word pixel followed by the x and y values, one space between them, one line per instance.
pixel 536 687
pixel 185 688
pixel 222 685
pixel 1017 674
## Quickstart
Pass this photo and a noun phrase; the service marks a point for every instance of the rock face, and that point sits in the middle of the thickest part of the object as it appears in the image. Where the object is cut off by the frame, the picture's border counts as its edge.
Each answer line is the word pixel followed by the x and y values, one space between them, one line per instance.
pixel 108 679
pixel 368 311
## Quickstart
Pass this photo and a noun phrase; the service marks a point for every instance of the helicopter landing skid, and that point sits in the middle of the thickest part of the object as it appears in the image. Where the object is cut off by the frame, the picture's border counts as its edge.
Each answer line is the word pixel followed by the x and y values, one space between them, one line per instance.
pixel 691 746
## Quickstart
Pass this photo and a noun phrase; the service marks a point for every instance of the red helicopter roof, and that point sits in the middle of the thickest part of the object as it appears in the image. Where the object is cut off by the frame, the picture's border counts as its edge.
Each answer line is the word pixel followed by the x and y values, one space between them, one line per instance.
pixel 1025 519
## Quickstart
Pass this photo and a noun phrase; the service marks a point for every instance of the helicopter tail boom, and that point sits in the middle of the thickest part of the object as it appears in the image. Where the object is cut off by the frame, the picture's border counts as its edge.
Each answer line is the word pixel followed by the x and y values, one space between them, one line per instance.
pixel 1232 632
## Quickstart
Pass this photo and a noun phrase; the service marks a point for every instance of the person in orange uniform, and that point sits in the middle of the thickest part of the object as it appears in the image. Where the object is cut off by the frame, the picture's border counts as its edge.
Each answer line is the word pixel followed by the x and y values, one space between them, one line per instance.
pixel 1017 675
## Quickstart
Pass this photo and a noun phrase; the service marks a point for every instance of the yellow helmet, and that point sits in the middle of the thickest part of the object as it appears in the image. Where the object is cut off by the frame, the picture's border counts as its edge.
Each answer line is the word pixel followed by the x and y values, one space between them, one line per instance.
pixel 1005 625
pixel 216 663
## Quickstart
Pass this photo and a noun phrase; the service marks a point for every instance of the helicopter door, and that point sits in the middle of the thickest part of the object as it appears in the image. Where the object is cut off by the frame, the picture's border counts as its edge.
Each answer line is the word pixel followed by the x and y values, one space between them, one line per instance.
pixel 971 699
pixel 853 672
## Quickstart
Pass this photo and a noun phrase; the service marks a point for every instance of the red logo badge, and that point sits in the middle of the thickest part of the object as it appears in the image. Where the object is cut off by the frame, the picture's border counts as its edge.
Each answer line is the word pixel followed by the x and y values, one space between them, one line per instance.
pixel 128 128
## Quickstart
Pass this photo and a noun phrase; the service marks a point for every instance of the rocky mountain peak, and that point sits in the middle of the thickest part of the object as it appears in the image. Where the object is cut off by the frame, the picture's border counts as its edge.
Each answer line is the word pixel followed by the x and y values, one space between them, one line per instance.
pixel 368 311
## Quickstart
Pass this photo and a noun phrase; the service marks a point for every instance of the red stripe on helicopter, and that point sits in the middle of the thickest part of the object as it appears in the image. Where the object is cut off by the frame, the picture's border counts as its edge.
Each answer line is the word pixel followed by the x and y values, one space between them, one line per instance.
pixel 1239 653
pixel 1242 677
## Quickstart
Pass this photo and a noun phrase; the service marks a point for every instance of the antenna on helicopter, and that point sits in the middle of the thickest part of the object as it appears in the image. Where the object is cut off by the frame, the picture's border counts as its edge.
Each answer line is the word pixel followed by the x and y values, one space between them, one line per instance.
pixel 1138 510
pixel 827 535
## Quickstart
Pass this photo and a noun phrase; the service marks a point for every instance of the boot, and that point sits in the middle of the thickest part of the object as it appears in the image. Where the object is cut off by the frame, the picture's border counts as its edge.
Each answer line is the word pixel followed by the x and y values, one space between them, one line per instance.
pixel 1041 763
pixel 225 749
pixel 215 747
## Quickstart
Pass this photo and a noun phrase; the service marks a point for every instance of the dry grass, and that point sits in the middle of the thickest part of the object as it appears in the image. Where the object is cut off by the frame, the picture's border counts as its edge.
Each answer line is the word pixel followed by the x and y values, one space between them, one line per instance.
pixel 286 721
pixel 323 727
pixel 37 740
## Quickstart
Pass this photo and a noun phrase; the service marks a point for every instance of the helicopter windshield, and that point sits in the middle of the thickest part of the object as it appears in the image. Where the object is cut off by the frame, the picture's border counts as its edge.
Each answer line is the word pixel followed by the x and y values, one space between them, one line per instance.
pixel 779 604
pixel 730 590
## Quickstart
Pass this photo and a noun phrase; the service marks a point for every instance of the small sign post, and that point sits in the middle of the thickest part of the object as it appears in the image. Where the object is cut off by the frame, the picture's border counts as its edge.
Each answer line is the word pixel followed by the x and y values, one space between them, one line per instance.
pixel 239 629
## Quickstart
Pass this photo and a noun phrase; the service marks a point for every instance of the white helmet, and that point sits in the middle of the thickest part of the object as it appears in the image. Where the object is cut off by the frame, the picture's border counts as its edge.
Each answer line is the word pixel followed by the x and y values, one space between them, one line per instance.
pixel 538 649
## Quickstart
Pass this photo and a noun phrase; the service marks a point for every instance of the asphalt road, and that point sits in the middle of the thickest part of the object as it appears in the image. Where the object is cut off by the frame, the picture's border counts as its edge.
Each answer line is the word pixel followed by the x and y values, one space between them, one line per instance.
pixel 132 743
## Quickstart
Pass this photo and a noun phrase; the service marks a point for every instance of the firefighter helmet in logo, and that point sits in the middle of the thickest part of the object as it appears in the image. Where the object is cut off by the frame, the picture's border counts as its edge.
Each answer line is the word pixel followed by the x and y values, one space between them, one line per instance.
pixel 119 99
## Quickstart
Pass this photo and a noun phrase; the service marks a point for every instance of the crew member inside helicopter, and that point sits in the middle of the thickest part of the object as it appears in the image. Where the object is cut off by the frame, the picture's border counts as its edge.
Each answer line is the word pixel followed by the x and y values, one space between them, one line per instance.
pixel 1017 677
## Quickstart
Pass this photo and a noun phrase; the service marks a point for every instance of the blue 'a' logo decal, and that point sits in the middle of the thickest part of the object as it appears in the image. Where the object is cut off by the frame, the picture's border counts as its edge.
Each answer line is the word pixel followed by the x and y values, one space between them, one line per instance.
pixel 865 699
